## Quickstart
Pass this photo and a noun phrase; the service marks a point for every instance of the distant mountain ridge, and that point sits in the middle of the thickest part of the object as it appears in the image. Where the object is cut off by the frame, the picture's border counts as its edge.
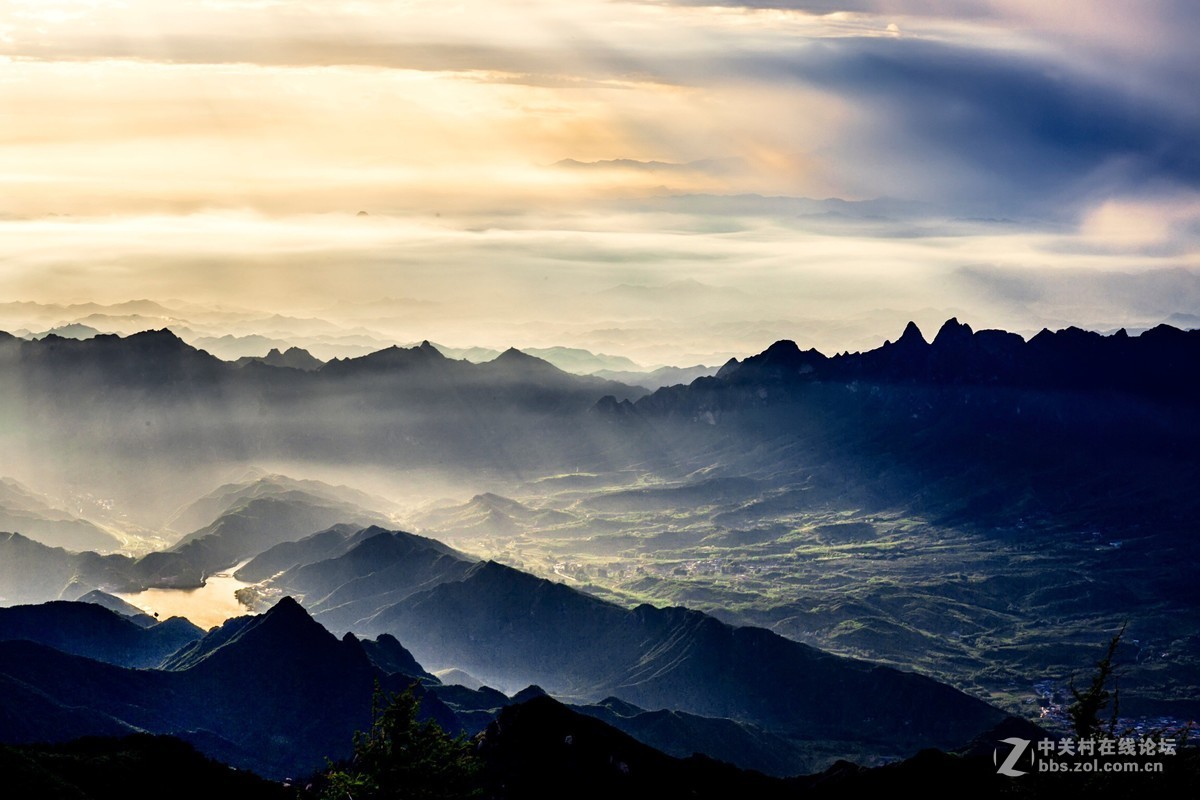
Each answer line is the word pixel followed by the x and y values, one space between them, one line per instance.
pixel 26 512
pixel 1154 363
pixel 106 406
pixel 291 358
pixel 259 484
pixel 952 427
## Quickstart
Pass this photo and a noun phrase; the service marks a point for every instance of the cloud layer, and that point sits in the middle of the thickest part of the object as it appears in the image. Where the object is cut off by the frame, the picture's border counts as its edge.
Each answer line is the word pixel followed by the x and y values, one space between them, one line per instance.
pixel 536 150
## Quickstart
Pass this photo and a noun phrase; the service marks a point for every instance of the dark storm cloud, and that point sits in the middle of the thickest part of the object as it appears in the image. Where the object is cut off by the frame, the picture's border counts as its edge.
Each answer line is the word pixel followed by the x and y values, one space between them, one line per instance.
pixel 1028 129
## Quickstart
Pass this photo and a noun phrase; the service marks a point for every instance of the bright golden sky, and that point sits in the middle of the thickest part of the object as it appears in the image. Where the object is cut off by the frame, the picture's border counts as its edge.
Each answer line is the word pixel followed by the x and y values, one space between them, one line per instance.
pixel 516 158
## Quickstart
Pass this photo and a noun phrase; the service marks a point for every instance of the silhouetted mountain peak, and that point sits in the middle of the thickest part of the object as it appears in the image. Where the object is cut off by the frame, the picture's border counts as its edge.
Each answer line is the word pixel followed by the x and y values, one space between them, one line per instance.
pixel 728 368
pixel 284 638
pixel 952 334
pixel 288 612
pixel 394 357
pixel 528 693
pixel 292 358
pixel 782 359
pixel 912 335
pixel 161 337
pixel 783 350
pixel 288 635
pixel 378 543
pixel 1067 337
pixel 514 357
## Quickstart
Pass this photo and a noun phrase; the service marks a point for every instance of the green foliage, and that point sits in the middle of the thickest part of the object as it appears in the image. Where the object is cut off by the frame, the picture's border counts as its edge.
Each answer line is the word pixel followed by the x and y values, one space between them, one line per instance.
pixel 1090 703
pixel 403 758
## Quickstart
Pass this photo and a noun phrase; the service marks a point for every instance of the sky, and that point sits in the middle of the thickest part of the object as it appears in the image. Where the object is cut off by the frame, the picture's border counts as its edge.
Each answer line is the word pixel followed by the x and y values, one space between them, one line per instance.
pixel 669 180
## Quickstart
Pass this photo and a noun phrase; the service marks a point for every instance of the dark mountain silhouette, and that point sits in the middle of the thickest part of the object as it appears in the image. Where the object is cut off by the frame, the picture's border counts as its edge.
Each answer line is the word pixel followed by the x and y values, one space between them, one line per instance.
pixel 50 696
pixel 292 358
pixel 504 626
pixel 511 627
pixel 282 633
pixel 957 428
pixel 538 747
pixel 87 629
pixel 157 360
pixel 1152 364
pixel 116 604
pixel 392 359
pixel 276 693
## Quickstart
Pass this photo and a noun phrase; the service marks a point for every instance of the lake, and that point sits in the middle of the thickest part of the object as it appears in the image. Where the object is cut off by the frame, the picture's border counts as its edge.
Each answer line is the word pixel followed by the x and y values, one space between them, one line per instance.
pixel 207 606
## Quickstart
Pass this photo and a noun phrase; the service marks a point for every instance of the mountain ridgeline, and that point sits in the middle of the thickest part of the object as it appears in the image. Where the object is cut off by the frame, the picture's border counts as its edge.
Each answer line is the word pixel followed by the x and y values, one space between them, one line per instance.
pixel 979 426
pixel 139 416
pixel 511 628
pixel 113 409
pixel 278 693
pixel 1154 364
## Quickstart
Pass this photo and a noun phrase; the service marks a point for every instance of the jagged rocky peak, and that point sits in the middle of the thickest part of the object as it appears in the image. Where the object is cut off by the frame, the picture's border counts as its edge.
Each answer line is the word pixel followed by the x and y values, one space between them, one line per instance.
pixel 912 336
pixel 952 333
